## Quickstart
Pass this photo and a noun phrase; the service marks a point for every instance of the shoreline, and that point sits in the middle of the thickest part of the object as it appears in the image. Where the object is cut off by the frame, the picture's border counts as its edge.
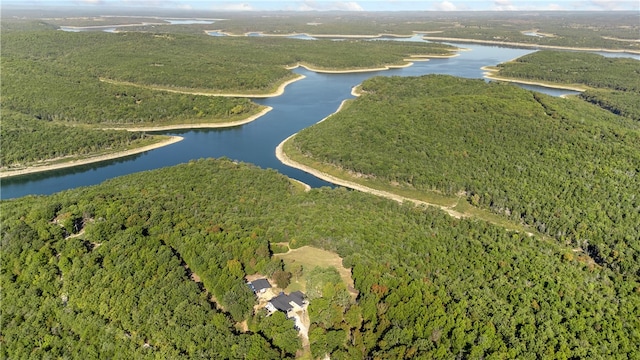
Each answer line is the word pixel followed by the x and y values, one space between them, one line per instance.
pixel 451 39
pixel 86 161
pixel 526 45
pixel 286 160
pixel 326 36
pixel 408 62
pixel 282 156
pixel 279 91
pixel 387 67
pixel 7 173
pixel 491 74
pixel 173 139
pixel 198 126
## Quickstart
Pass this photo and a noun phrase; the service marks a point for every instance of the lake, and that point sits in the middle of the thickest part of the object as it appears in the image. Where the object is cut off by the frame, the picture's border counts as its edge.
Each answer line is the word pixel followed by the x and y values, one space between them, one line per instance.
pixel 303 103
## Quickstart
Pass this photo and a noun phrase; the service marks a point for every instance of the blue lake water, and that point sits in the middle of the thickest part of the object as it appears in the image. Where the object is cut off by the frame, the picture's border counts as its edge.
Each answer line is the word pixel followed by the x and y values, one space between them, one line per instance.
pixel 303 103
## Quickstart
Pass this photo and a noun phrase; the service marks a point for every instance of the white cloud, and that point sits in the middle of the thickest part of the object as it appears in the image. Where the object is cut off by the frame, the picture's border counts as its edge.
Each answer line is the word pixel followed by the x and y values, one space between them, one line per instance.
pixel 233 6
pixel 311 5
pixel 555 7
pixel 503 5
pixel 147 3
pixel 350 5
pixel 446 6
pixel 613 4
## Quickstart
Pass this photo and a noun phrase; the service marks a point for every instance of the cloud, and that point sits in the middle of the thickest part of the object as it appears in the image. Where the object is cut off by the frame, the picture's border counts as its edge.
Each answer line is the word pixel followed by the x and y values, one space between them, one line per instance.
pixel 311 5
pixel 90 2
pixel 446 6
pixel 147 3
pixel 610 5
pixel 350 5
pixel 234 7
pixel 503 5
pixel 555 7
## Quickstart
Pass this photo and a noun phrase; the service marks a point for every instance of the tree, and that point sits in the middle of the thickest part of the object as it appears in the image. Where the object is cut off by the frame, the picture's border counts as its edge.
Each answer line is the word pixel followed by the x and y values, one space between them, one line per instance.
pixel 282 278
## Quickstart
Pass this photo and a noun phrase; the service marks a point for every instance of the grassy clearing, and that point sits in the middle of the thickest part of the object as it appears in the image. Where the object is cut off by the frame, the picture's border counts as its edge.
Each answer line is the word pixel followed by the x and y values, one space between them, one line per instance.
pixel 311 257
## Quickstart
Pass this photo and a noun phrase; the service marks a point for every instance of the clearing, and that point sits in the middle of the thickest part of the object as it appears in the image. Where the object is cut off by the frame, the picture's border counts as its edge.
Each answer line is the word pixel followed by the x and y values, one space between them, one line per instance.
pixel 310 257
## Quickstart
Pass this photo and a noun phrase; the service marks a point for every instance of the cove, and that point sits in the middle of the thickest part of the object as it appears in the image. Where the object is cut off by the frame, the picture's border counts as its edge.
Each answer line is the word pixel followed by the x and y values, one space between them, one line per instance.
pixel 303 104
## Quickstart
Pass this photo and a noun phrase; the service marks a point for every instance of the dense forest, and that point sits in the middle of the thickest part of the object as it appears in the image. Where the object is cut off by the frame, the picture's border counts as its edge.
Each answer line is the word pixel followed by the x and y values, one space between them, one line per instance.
pixel 26 140
pixel 154 264
pixel 249 65
pixel 613 83
pixel 106 271
pixel 561 166
pixel 56 76
pixel 608 30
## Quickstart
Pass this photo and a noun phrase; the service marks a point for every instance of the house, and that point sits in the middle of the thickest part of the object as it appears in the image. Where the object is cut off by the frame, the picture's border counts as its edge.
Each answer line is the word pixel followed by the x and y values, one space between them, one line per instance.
pixel 259 286
pixel 297 297
pixel 286 303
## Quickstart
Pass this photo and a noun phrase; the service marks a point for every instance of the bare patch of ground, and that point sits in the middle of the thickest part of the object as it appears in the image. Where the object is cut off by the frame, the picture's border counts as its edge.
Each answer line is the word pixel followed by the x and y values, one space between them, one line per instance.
pixel 195 277
pixel 242 326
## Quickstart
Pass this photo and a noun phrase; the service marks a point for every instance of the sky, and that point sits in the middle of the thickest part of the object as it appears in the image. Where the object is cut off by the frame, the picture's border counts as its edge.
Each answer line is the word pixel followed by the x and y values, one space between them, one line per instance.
pixel 326 5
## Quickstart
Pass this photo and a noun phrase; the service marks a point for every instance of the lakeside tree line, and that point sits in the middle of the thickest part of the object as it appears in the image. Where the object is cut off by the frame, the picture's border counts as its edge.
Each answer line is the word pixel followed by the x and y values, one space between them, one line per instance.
pixel 45 78
pixel 614 83
pixel 26 140
pixel 105 271
pixel 561 166
pixel 57 76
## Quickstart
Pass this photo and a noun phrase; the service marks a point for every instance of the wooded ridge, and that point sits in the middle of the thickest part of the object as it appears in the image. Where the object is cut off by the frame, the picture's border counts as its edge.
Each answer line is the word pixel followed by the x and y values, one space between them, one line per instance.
pixel 612 83
pixel 562 166
pixel 104 271
pixel 55 77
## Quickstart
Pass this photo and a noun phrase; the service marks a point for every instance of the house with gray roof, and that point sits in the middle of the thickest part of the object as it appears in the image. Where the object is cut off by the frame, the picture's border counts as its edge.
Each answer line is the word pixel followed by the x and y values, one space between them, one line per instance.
pixel 259 286
pixel 286 303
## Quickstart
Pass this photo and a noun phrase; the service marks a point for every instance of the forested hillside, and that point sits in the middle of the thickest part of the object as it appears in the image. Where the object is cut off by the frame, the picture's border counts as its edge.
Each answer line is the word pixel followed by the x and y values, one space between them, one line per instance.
pixel 561 166
pixel 613 83
pixel 608 30
pixel 26 140
pixel 104 271
pixel 246 65
pixel 53 75
pixel 121 80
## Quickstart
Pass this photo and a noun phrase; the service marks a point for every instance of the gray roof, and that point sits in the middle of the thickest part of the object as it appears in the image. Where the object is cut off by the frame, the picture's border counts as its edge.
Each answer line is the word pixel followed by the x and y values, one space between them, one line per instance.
pixel 282 301
pixel 297 297
pixel 260 284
